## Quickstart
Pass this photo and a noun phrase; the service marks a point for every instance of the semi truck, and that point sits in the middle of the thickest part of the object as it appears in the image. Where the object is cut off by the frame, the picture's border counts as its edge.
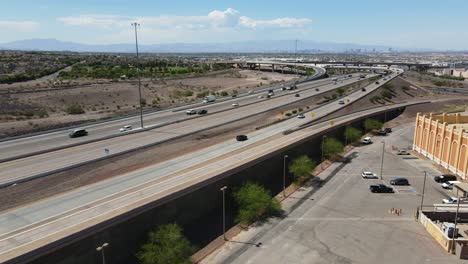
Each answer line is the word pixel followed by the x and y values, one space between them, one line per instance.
pixel 209 99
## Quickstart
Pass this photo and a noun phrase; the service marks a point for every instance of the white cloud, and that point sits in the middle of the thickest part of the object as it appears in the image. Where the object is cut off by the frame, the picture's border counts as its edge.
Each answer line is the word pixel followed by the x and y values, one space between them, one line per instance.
pixel 229 18
pixel 24 26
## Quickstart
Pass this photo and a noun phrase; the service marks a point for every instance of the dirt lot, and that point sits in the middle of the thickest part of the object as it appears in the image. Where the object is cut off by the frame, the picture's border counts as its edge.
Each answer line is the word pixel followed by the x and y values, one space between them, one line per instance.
pixel 427 81
pixel 20 111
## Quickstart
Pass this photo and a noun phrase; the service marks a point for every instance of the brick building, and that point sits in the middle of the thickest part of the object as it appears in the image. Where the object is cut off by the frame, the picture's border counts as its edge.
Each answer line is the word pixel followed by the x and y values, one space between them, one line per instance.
pixel 443 139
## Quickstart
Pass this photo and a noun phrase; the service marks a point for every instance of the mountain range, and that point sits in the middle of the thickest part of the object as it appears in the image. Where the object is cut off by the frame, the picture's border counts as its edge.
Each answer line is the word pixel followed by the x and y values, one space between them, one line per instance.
pixel 256 46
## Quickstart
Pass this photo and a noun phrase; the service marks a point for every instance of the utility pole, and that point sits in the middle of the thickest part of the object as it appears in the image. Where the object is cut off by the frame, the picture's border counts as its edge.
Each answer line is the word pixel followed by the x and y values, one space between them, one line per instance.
pixel 101 249
pixel 223 189
pixel 455 233
pixel 284 175
pixel 295 57
pixel 323 139
pixel 381 163
pixel 138 73
pixel 424 188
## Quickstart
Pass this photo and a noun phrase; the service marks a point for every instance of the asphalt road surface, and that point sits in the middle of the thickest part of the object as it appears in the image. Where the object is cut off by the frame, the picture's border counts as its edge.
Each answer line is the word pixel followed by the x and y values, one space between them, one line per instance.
pixel 26 228
pixel 25 168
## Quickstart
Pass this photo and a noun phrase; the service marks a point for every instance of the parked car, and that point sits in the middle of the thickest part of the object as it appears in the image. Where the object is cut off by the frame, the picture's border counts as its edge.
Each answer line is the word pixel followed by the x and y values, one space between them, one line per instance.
pixel 381 188
pixel 125 128
pixel 403 152
pixel 388 129
pixel 191 112
pixel 341 102
pixel 445 178
pixel 368 175
pixel 235 105
pixel 250 92
pixel 367 140
pixel 449 184
pixel 350 75
pixel 78 133
pixel 399 181
pixel 382 132
pixel 241 138
pixel 202 112
pixel 297 95
pixel 451 200
pixel 301 116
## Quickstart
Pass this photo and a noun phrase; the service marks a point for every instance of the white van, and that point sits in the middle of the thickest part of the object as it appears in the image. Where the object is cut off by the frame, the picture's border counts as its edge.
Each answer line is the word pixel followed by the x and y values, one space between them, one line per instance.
pixel 367 140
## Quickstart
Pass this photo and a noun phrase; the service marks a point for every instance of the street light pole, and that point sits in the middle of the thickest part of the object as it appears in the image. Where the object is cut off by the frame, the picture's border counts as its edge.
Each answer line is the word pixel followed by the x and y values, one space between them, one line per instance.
pixel 323 139
pixel 223 189
pixel 295 58
pixel 381 163
pixel 455 233
pixel 424 188
pixel 138 73
pixel 284 175
pixel 101 249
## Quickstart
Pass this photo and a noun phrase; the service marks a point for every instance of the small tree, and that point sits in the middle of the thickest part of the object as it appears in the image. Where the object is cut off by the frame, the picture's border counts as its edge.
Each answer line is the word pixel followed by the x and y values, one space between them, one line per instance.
pixel 255 203
pixel 332 147
pixel 371 124
pixel 340 91
pixel 302 168
pixel 74 109
pixel 352 134
pixel 167 245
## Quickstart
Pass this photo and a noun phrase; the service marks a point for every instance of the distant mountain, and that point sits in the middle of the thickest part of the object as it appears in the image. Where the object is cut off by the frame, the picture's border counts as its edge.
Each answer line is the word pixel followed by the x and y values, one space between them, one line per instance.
pixel 257 46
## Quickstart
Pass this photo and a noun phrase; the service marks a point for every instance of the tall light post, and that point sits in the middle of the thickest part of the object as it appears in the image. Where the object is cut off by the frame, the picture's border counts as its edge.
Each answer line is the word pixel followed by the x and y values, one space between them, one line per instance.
pixel 135 25
pixel 284 174
pixel 323 139
pixel 381 162
pixel 223 189
pixel 424 188
pixel 455 233
pixel 101 249
pixel 295 57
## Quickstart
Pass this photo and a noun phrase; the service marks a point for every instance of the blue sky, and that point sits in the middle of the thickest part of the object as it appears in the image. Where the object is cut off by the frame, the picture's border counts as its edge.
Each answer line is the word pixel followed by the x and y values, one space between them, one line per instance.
pixel 410 23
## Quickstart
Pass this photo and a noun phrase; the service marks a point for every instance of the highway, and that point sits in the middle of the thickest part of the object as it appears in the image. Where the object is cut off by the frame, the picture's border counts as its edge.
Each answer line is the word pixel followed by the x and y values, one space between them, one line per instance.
pixel 12 149
pixel 30 167
pixel 30 227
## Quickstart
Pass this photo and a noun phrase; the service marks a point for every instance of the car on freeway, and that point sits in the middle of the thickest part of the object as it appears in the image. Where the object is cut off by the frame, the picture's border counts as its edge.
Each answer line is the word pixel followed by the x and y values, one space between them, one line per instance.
pixel 297 95
pixel 341 102
pixel 78 133
pixel 368 175
pixel 317 89
pixel 202 112
pixel 377 83
pixel 363 89
pixel 235 105
pixel 367 140
pixel 403 152
pixel 399 181
pixel 450 200
pixel 125 128
pixel 350 75
pixel 445 178
pixel 380 188
pixel 191 112
pixel 241 138
pixel 250 92
pixel 300 116
pixel 260 97
pixel 271 94
pixel 234 95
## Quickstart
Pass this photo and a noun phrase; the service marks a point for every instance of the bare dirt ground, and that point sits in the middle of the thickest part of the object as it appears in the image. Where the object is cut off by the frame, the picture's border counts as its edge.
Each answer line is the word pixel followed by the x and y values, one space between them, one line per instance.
pixel 427 81
pixel 100 99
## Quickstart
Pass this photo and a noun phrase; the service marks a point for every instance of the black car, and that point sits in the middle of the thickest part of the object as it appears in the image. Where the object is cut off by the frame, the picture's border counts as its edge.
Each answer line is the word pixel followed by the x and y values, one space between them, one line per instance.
pixel 388 129
pixel 78 133
pixel 234 95
pixel 445 178
pixel 297 95
pixel 317 89
pixel 377 83
pixel 363 89
pixel 380 188
pixel 202 112
pixel 241 138
pixel 399 181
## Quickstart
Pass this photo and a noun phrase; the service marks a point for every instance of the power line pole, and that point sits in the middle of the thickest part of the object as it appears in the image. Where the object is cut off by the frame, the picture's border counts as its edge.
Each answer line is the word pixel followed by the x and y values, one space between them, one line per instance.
pixel 138 72
pixel 424 188
pixel 223 189
pixel 295 58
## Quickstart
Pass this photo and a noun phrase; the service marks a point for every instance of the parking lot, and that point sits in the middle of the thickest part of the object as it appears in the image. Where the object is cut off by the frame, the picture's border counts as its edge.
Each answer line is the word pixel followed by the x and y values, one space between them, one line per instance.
pixel 343 222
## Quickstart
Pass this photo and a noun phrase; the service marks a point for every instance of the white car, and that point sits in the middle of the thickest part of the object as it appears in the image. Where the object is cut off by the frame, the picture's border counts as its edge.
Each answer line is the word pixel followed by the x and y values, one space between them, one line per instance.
pixel 368 175
pixel 301 116
pixel 260 96
pixel 125 128
pixel 403 152
pixel 235 105
pixel 449 184
pixel 341 102
pixel 367 140
pixel 450 200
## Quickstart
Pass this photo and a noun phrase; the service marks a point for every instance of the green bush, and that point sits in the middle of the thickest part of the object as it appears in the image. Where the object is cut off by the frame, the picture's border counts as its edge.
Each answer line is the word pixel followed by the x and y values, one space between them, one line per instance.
pixel 165 246
pixel 294 111
pixel 352 134
pixel 371 124
pixel 184 93
pixel 224 93
pixel 302 167
pixel 255 203
pixel 74 109
pixel 331 147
